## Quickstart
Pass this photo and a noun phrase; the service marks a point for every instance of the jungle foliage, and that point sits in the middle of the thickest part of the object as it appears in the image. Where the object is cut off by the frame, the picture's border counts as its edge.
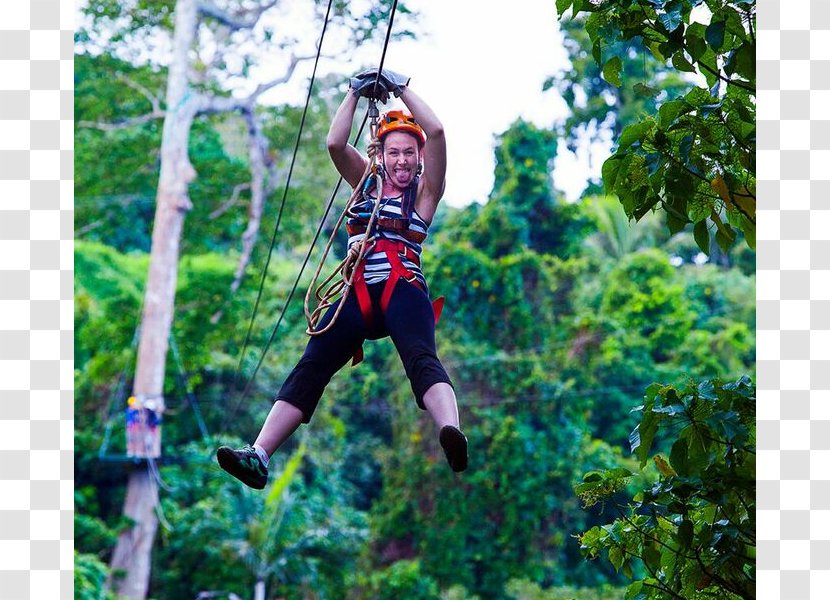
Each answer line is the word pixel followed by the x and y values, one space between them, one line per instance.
pixel 693 530
pixel 694 158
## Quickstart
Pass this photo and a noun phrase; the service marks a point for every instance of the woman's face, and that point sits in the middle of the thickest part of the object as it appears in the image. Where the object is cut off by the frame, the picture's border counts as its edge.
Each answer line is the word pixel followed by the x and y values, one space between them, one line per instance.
pixel 400 158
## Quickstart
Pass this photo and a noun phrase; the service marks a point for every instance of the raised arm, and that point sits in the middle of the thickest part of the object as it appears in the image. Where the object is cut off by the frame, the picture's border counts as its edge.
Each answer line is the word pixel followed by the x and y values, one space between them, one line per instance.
pixel 348 161
pixel 435 153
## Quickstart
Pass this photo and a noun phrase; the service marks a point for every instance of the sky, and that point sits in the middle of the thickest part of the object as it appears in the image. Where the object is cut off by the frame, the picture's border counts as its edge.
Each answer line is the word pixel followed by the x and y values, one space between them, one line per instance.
pixel 480 66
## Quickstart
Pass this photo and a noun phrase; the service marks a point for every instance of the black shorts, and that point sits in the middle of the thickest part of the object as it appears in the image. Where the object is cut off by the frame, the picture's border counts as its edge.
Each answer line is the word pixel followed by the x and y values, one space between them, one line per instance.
pixel 409 321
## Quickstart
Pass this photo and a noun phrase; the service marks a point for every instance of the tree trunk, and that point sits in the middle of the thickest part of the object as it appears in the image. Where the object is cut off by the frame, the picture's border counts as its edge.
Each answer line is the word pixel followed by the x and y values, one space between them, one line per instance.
pixel 259 590
pixel 133 552
pixel 134 549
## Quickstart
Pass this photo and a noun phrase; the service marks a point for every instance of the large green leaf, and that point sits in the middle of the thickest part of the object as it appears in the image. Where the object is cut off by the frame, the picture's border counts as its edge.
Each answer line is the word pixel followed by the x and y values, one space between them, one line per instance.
pixel 634 133
pixel 610 169
pixel 715 34
pixel 682 64
pixel 696 40
pixel 701 233
pixel 669 111
pixel 611 71
pixel 672 18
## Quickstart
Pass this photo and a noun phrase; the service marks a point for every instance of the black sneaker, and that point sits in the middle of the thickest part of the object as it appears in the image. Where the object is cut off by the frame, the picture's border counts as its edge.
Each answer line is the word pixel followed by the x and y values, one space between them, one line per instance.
pixel 454 444
pixel 244 464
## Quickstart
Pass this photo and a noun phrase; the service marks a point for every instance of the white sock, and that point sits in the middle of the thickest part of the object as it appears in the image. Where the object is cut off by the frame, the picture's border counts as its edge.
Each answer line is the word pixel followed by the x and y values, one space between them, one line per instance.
pixel 261 453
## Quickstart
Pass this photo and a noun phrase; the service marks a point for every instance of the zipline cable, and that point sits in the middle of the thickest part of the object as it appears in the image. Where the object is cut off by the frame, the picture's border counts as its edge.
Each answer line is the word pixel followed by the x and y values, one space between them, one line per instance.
pixel 385 44
pixel 284 195
pixel 297 280
pixel 188 391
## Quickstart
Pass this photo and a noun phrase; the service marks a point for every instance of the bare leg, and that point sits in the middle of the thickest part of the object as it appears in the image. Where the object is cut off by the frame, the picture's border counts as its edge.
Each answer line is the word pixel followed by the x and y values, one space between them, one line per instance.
pixel 282 421
pixel 439 401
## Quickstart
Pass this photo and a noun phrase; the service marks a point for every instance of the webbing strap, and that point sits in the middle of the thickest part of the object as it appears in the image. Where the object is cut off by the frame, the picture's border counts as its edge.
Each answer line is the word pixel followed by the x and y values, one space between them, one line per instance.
pixel 393 251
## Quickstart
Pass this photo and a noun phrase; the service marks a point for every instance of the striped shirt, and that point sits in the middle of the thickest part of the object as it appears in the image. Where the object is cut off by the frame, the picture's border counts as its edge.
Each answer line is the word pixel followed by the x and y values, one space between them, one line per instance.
pixel 377 264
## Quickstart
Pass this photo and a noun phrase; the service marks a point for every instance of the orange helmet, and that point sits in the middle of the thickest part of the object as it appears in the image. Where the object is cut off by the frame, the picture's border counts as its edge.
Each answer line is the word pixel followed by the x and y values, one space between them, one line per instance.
pixel 397 120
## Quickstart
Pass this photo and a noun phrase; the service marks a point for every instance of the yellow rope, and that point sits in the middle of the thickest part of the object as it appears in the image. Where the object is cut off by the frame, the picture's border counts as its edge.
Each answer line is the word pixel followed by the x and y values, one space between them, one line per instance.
pixel 327 291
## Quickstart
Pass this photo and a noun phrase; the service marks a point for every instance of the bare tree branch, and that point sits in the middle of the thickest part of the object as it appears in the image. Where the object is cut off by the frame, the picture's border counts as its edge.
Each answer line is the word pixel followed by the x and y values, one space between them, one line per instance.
pixel 215 104
pixel 289 71
pixel 88 227
pixel 157 111
pixel 154 100
pixel 230 202
pixel 261 187
pixel 245 19
pixel 263 181
pixel 131 122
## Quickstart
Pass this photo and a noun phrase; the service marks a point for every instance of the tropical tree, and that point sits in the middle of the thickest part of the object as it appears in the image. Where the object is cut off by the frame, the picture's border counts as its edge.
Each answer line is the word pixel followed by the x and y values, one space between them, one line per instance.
pixel 694 159
pixel 600 110
pixel 614 236
pixel 692 533
pixel 523 210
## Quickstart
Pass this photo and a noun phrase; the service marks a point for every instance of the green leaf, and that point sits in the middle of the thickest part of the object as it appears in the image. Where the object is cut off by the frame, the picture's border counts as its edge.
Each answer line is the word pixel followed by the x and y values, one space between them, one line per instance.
pixel 618 473
pixel 701 233
pixel 562 6
pixel 645 91
pixel 725 236
pixel 680 63
pixel 670 410
pixel 749 234
pixel 616 556
pixel 610 169
pixel 651 557
pixel 706 390
pixel 695 40
pixel 592 477
pixel 643 435
pixel 672 19
pixel 669 111
pixel 577 7
pixel 715 34
pixel 634 133
pixel 643 209
pixel 679 457
pixel 685 533
pixel 655 50
pixel 745 62
pixel 675 223
pixel 611 71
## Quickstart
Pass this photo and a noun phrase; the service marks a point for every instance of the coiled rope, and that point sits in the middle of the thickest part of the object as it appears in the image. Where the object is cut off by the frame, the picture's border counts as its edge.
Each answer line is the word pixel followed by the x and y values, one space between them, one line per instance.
pixel 331 287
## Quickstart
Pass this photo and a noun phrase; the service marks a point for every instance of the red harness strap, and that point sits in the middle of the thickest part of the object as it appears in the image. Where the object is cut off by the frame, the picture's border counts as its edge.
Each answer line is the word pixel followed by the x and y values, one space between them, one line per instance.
pixel 394 250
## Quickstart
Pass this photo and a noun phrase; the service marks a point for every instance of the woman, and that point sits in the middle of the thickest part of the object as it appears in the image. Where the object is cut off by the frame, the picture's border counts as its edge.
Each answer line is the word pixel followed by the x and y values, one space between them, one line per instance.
pixel 390 293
